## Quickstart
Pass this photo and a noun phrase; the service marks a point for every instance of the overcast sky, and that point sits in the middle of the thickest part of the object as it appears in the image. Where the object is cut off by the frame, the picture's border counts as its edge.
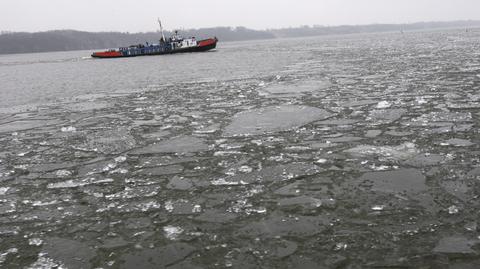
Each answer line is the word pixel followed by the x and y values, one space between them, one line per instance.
pixel 141 15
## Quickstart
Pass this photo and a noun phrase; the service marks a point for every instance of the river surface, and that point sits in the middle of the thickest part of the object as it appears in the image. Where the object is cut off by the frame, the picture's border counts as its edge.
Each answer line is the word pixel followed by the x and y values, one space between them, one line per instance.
pixel 358 151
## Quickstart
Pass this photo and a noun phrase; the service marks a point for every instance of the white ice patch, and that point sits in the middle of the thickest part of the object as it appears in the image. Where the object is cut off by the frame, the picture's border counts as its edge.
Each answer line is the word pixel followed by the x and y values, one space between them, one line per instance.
pixel 223 182
pixel 384 104
pixel 44 262
pixel 35 241
pixel 421 100
pixel 226 153
pixel 453 210
pixel 381 167
pixel 119 171
pixel 3 190
pixel 77 183
pixel 40 203
pixel 144 207
pixel 109 167
pixel 340 246
pixel 378 207
pixel 21 154
pixel 120 159
pixel 169 206
pixel 401 152
pixel 321 161
pixel 197 209
pixel 63 173
pixel 172 232
pixel 68 129
pixel 245 169
pixel 66 184
pixel 259 210
pixel 257 142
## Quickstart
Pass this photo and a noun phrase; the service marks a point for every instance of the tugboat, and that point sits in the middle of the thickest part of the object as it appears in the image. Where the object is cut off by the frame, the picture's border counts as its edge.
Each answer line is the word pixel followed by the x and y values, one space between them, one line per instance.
pixel 174 44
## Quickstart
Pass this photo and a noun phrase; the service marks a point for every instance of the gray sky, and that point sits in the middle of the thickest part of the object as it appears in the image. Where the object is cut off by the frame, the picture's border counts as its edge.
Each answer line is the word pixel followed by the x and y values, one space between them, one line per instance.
pixel 140 15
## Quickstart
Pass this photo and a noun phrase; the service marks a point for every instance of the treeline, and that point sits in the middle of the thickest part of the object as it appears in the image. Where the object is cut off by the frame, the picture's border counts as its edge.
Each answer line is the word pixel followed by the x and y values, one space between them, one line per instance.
pixel 64 40
pixel 371 28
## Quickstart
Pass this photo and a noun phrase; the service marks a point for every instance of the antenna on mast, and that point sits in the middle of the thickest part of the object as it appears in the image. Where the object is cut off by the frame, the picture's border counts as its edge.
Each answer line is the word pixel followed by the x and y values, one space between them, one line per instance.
pixel 161 29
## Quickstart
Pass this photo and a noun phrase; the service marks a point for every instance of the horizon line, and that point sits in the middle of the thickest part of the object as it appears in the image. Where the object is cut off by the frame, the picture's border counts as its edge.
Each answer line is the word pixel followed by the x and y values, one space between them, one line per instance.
pixel 235 27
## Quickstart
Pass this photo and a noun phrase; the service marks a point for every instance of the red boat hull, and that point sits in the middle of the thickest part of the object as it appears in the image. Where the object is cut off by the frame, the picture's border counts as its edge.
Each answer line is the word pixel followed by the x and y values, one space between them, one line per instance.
pixel 107 54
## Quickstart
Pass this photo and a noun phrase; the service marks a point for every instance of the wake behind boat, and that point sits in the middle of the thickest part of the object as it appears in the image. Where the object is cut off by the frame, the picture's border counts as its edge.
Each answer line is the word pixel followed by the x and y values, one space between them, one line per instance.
pixel 174 44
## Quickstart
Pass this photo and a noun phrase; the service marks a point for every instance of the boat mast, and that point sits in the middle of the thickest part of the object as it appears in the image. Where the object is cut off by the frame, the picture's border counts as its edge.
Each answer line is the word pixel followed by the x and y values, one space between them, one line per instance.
pixel 161 29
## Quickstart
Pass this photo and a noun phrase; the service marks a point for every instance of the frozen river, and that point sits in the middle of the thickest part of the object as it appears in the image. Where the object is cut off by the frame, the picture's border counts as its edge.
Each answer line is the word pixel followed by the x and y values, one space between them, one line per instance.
pixel 357 151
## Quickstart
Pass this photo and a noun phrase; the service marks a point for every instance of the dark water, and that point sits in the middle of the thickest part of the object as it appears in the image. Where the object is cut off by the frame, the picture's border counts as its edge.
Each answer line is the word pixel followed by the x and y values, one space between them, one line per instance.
pixel 354 151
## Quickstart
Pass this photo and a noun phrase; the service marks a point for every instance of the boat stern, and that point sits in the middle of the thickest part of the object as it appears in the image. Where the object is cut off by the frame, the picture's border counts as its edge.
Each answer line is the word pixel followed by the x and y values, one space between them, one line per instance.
pixel 107 54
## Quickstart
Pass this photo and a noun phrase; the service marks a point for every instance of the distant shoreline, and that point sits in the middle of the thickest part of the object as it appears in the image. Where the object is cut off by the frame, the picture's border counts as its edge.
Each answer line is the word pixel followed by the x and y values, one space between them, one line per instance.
pixel 69 40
